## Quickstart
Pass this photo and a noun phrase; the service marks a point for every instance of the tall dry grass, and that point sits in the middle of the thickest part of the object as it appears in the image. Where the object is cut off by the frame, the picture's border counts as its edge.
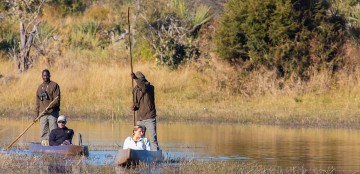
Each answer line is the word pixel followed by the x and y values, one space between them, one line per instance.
pixel 102 90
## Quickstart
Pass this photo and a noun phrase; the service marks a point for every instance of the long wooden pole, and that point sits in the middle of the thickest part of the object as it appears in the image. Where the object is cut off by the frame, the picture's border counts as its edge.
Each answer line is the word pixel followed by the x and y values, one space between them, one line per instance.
pixel 34 121
pixel 131 64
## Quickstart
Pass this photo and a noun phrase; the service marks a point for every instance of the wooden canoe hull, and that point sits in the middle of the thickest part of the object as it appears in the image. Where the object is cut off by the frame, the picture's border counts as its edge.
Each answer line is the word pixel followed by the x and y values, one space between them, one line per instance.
pixel 70 150
pixel 129 156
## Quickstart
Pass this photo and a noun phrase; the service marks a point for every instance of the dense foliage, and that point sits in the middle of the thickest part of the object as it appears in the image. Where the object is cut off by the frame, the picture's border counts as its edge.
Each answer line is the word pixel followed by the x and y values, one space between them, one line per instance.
pixel 291 36
pixel 69 6
pixel 172 32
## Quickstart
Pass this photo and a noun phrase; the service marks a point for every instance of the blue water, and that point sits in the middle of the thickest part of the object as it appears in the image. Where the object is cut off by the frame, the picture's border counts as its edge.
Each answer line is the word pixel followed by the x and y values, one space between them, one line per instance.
pixel 266 145
pixel 107 157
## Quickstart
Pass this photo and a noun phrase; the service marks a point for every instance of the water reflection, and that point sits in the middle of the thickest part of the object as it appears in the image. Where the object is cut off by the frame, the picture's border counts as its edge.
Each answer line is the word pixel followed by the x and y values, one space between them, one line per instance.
pixel 311 148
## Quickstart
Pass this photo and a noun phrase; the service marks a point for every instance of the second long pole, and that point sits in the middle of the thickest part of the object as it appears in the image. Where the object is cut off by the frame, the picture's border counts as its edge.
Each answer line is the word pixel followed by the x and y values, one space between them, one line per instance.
pixel 131 64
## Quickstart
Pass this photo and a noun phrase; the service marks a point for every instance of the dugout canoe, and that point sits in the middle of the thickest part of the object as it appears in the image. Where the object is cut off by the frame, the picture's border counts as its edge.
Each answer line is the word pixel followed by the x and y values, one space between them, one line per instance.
pixel 127 157
pixel 69 150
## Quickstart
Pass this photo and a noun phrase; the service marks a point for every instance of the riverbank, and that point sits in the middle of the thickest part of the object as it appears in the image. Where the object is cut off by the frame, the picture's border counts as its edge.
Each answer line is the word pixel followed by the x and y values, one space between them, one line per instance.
pixel 103 92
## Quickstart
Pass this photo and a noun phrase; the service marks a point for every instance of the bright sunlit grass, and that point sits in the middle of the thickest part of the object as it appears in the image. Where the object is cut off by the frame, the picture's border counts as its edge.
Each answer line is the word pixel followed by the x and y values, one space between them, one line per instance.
pixel 103 90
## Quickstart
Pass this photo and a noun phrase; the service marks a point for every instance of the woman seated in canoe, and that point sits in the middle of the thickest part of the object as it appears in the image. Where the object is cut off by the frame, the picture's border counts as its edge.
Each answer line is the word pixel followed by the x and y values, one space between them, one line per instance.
pixel 137 141
pixel 61 135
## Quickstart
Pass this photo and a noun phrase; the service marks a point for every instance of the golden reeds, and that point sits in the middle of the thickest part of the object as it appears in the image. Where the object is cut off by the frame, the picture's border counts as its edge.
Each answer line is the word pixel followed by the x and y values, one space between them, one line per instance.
pixel 100 90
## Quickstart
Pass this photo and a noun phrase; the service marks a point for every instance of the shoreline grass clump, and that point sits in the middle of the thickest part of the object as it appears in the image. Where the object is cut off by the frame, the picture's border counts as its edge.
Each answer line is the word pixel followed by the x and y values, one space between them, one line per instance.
pixel 51 164
pixel 48 164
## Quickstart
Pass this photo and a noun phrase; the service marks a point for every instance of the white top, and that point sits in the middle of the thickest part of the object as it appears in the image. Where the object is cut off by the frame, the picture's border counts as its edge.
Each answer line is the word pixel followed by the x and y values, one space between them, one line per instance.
pixel 142 144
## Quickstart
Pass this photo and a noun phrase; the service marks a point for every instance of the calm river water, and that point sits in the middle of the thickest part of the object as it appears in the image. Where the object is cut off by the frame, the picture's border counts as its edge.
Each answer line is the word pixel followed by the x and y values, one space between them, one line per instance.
pixel 273 146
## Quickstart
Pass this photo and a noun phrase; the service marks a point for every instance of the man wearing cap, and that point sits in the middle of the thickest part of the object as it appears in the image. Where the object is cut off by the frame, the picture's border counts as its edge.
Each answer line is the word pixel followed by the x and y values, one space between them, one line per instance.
pixel 45 94
pixel 144 104
pixel 61 135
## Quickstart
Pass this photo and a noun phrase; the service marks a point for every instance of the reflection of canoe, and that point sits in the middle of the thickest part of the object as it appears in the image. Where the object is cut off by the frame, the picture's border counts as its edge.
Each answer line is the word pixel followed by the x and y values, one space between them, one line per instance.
pixel 70 150
pixel 129 156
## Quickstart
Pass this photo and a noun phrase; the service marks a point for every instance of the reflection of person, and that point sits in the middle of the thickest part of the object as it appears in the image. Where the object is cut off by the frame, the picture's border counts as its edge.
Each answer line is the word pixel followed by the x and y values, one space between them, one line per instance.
pixel 45 94
pixel 61 135
pixel 144 104
pixel 138 141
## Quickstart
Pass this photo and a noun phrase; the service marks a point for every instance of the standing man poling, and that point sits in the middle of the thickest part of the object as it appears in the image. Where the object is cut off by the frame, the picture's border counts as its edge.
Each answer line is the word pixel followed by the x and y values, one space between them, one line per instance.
pixel 144 104
pixel 45 94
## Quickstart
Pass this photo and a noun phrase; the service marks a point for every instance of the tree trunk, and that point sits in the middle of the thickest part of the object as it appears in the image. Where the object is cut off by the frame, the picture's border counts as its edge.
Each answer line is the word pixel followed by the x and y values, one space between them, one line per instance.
pixel 25 61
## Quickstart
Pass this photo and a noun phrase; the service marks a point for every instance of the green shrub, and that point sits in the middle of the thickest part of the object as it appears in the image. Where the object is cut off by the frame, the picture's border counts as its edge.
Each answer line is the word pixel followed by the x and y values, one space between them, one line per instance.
pixel 84 35
pixel 46 30
pixel 4 6
pixel 202 13
pixel 173 32
pixel 66 7
pixel 179 7
pixel 97 13
pixel 354 21
pixel 8 36
pixel 143 50
pixel 351 11
pixel 291 36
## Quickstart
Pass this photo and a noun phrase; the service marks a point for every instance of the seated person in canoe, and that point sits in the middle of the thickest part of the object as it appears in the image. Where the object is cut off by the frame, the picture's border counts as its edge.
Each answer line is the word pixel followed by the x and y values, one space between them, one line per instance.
pixel 61 135
pixel 137 141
